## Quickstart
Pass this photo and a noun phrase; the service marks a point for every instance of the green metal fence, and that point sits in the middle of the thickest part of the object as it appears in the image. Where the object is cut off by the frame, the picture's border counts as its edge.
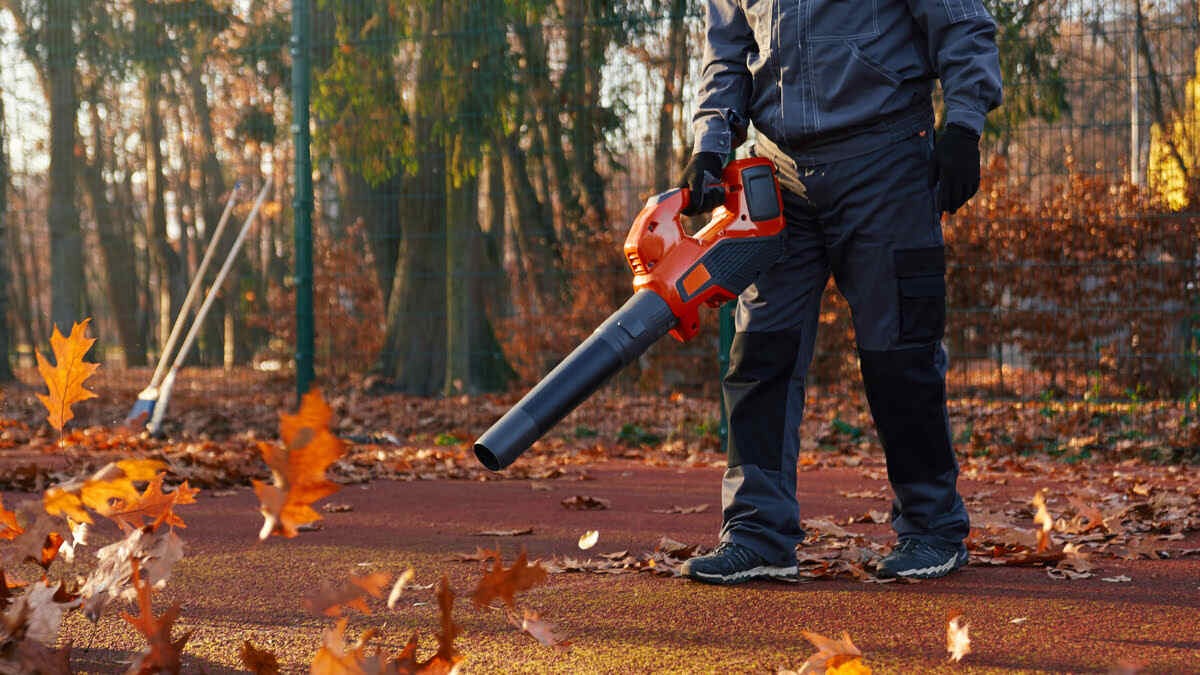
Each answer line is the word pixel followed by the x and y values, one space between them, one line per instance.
pixel 454 179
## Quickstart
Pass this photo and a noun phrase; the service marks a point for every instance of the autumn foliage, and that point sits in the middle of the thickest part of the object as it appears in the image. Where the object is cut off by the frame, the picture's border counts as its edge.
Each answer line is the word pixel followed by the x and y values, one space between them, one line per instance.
pixel 65 378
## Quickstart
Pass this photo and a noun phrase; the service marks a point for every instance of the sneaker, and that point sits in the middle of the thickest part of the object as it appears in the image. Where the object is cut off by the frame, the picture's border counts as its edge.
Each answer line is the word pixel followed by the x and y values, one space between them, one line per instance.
pixel 733 563
pixel 918 560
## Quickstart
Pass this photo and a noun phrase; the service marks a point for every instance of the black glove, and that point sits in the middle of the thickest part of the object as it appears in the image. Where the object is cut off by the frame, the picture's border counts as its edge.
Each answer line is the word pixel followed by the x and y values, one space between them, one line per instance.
pixel 702 166
pixel 957 156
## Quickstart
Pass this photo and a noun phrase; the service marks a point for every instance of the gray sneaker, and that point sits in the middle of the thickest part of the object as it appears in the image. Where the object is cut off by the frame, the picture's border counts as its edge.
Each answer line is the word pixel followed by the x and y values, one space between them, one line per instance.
pixel 918 560
pixel 733 563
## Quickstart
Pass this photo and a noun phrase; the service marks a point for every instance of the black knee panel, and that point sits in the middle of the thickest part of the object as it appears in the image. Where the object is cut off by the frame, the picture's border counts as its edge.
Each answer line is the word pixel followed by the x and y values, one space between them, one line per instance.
pixel 756 392
pixel 907 394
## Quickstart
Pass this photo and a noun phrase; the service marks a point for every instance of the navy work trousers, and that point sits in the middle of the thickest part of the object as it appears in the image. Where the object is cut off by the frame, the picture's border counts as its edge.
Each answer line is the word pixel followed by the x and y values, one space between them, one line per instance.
pixel 872 222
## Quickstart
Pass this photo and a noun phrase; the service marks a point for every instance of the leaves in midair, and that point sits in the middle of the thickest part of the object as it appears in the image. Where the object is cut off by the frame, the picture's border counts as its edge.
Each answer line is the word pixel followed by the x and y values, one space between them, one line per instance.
pixel 504 583
pixel 259 661
pixel 29 629
pixel 838 657
pixel 545 633
pixel 958 642
pixel 398 588
pixel 153 552
pixel 163 653
pixel 152 505
pixel 9 527
pixel 330 599
pixel 65 378
pixel 1043 519
pixel 113 482
pixel 298 469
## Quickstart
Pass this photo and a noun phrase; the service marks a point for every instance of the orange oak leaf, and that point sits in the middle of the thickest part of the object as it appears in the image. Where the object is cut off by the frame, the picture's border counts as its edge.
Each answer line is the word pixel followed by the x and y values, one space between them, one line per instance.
pixel 838 657
pixel 335 657
pixel 298 469
pixel 153 505
pixel 330 600
pixel 9 527
pixel 114 481
pixel 505 583
pixel 259 661
pixel 163 654
pixel 65 378
pixel 446 659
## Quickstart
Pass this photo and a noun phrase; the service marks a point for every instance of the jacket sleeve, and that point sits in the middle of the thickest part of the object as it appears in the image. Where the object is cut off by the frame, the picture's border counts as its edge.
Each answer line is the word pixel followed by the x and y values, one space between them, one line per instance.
pixel 725 82
pixel 962 46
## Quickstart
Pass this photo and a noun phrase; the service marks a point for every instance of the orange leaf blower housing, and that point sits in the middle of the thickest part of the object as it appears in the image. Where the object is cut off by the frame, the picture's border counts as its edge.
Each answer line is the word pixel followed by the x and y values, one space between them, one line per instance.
pixel 674 274
pixel 717 263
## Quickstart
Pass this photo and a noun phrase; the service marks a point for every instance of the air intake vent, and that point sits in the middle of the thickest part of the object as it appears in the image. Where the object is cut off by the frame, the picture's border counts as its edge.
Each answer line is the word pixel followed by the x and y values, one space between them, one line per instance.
pixel 635 263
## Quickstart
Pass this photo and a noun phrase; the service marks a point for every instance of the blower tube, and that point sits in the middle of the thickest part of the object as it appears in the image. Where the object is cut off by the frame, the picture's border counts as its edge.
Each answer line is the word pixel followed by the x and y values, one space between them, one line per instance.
pixel 623 337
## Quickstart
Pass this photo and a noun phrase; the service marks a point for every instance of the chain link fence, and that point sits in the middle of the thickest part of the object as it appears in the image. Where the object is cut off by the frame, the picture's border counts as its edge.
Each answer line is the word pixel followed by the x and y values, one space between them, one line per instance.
pixel 475 165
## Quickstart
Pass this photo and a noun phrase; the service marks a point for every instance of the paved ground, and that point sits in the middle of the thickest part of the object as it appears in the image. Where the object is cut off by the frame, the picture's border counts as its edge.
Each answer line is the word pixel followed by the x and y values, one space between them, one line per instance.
pixel 233 588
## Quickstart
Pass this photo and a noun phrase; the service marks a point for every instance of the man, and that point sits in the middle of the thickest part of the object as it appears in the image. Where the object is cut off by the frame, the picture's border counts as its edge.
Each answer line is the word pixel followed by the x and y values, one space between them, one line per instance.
pixel 840 93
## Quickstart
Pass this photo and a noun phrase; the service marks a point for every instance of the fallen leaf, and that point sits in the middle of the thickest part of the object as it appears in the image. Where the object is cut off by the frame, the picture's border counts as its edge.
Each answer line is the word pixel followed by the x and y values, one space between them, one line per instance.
pixel 259 661
pixel 585 503
pixel 958 642
pixel 504 583
pixel 699 508
pixel 589 539
pixel 398 588
pixel 330 599
pixel 65 378
pixel 163 654
pixel 298 470
pixel 1119 579
pixel 519 532
pixel 1019 620
pixel 335 507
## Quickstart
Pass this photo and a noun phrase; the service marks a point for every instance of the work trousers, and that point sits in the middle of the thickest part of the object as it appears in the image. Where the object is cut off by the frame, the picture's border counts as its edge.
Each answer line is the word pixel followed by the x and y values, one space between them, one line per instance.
pixel 873 223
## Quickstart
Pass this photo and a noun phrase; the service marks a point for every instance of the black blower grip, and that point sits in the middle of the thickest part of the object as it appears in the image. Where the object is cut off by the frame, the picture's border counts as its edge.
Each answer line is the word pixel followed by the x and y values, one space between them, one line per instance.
pixel 624 336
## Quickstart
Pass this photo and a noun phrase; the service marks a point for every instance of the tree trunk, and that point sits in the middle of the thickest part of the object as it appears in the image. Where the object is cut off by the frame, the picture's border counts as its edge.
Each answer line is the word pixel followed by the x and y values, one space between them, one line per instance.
pixel 116 248
pixel 171 277
pixel 674 71
pixel 414 349
pixel 537 254
pixel 378 207
pixel 66 239
pixel 212 197
pixel 6 372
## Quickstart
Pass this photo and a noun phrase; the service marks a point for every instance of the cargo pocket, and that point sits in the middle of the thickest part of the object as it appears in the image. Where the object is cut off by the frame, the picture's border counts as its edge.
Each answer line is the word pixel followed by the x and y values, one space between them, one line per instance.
pixel 921 277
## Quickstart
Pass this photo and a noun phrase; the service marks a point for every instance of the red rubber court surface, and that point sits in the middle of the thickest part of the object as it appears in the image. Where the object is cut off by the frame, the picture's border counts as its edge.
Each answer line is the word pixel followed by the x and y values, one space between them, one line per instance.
pixel 233 588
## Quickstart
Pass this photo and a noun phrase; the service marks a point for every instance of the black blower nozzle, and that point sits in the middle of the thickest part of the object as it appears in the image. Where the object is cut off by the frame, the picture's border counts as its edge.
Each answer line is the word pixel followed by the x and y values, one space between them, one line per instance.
pixel 624 336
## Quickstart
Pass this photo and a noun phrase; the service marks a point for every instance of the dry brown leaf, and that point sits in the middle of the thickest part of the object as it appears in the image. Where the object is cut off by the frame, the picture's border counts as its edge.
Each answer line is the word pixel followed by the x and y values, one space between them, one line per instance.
pixel 259 661
pixel 398 587
pixel 65 378
pixel 544 633
pixel 699 508
pixel 163 654
pixel 504 583
pixel 520 532
pixel 9 528
pixel 585 503
pixel 155 552
pixel 114 481
pixel 1042 518
pixel 958 642
pixel 153 505
pixel 330 600
pixel 833 656
pixel 589 539
pixel 37 613
pixel 298 470
pixel 335 657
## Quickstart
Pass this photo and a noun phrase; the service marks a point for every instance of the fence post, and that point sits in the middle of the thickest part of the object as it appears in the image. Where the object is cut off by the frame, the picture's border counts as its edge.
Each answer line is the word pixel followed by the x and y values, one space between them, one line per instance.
pixel 302 199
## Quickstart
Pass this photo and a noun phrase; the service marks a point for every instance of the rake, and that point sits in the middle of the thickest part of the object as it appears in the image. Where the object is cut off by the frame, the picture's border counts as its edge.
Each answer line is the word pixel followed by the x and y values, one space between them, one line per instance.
pixel 155 398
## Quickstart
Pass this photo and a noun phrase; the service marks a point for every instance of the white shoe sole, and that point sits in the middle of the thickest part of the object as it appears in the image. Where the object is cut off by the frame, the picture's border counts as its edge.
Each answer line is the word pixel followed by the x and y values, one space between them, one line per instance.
pixel 761 572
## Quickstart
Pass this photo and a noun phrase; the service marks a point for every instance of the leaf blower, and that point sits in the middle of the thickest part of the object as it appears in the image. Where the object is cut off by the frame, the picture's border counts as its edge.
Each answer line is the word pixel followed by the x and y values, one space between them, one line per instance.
pixel 673 274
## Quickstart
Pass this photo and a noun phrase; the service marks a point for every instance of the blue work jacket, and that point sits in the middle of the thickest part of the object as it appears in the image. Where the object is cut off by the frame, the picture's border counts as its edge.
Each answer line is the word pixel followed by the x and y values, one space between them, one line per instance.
pixel 830 79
